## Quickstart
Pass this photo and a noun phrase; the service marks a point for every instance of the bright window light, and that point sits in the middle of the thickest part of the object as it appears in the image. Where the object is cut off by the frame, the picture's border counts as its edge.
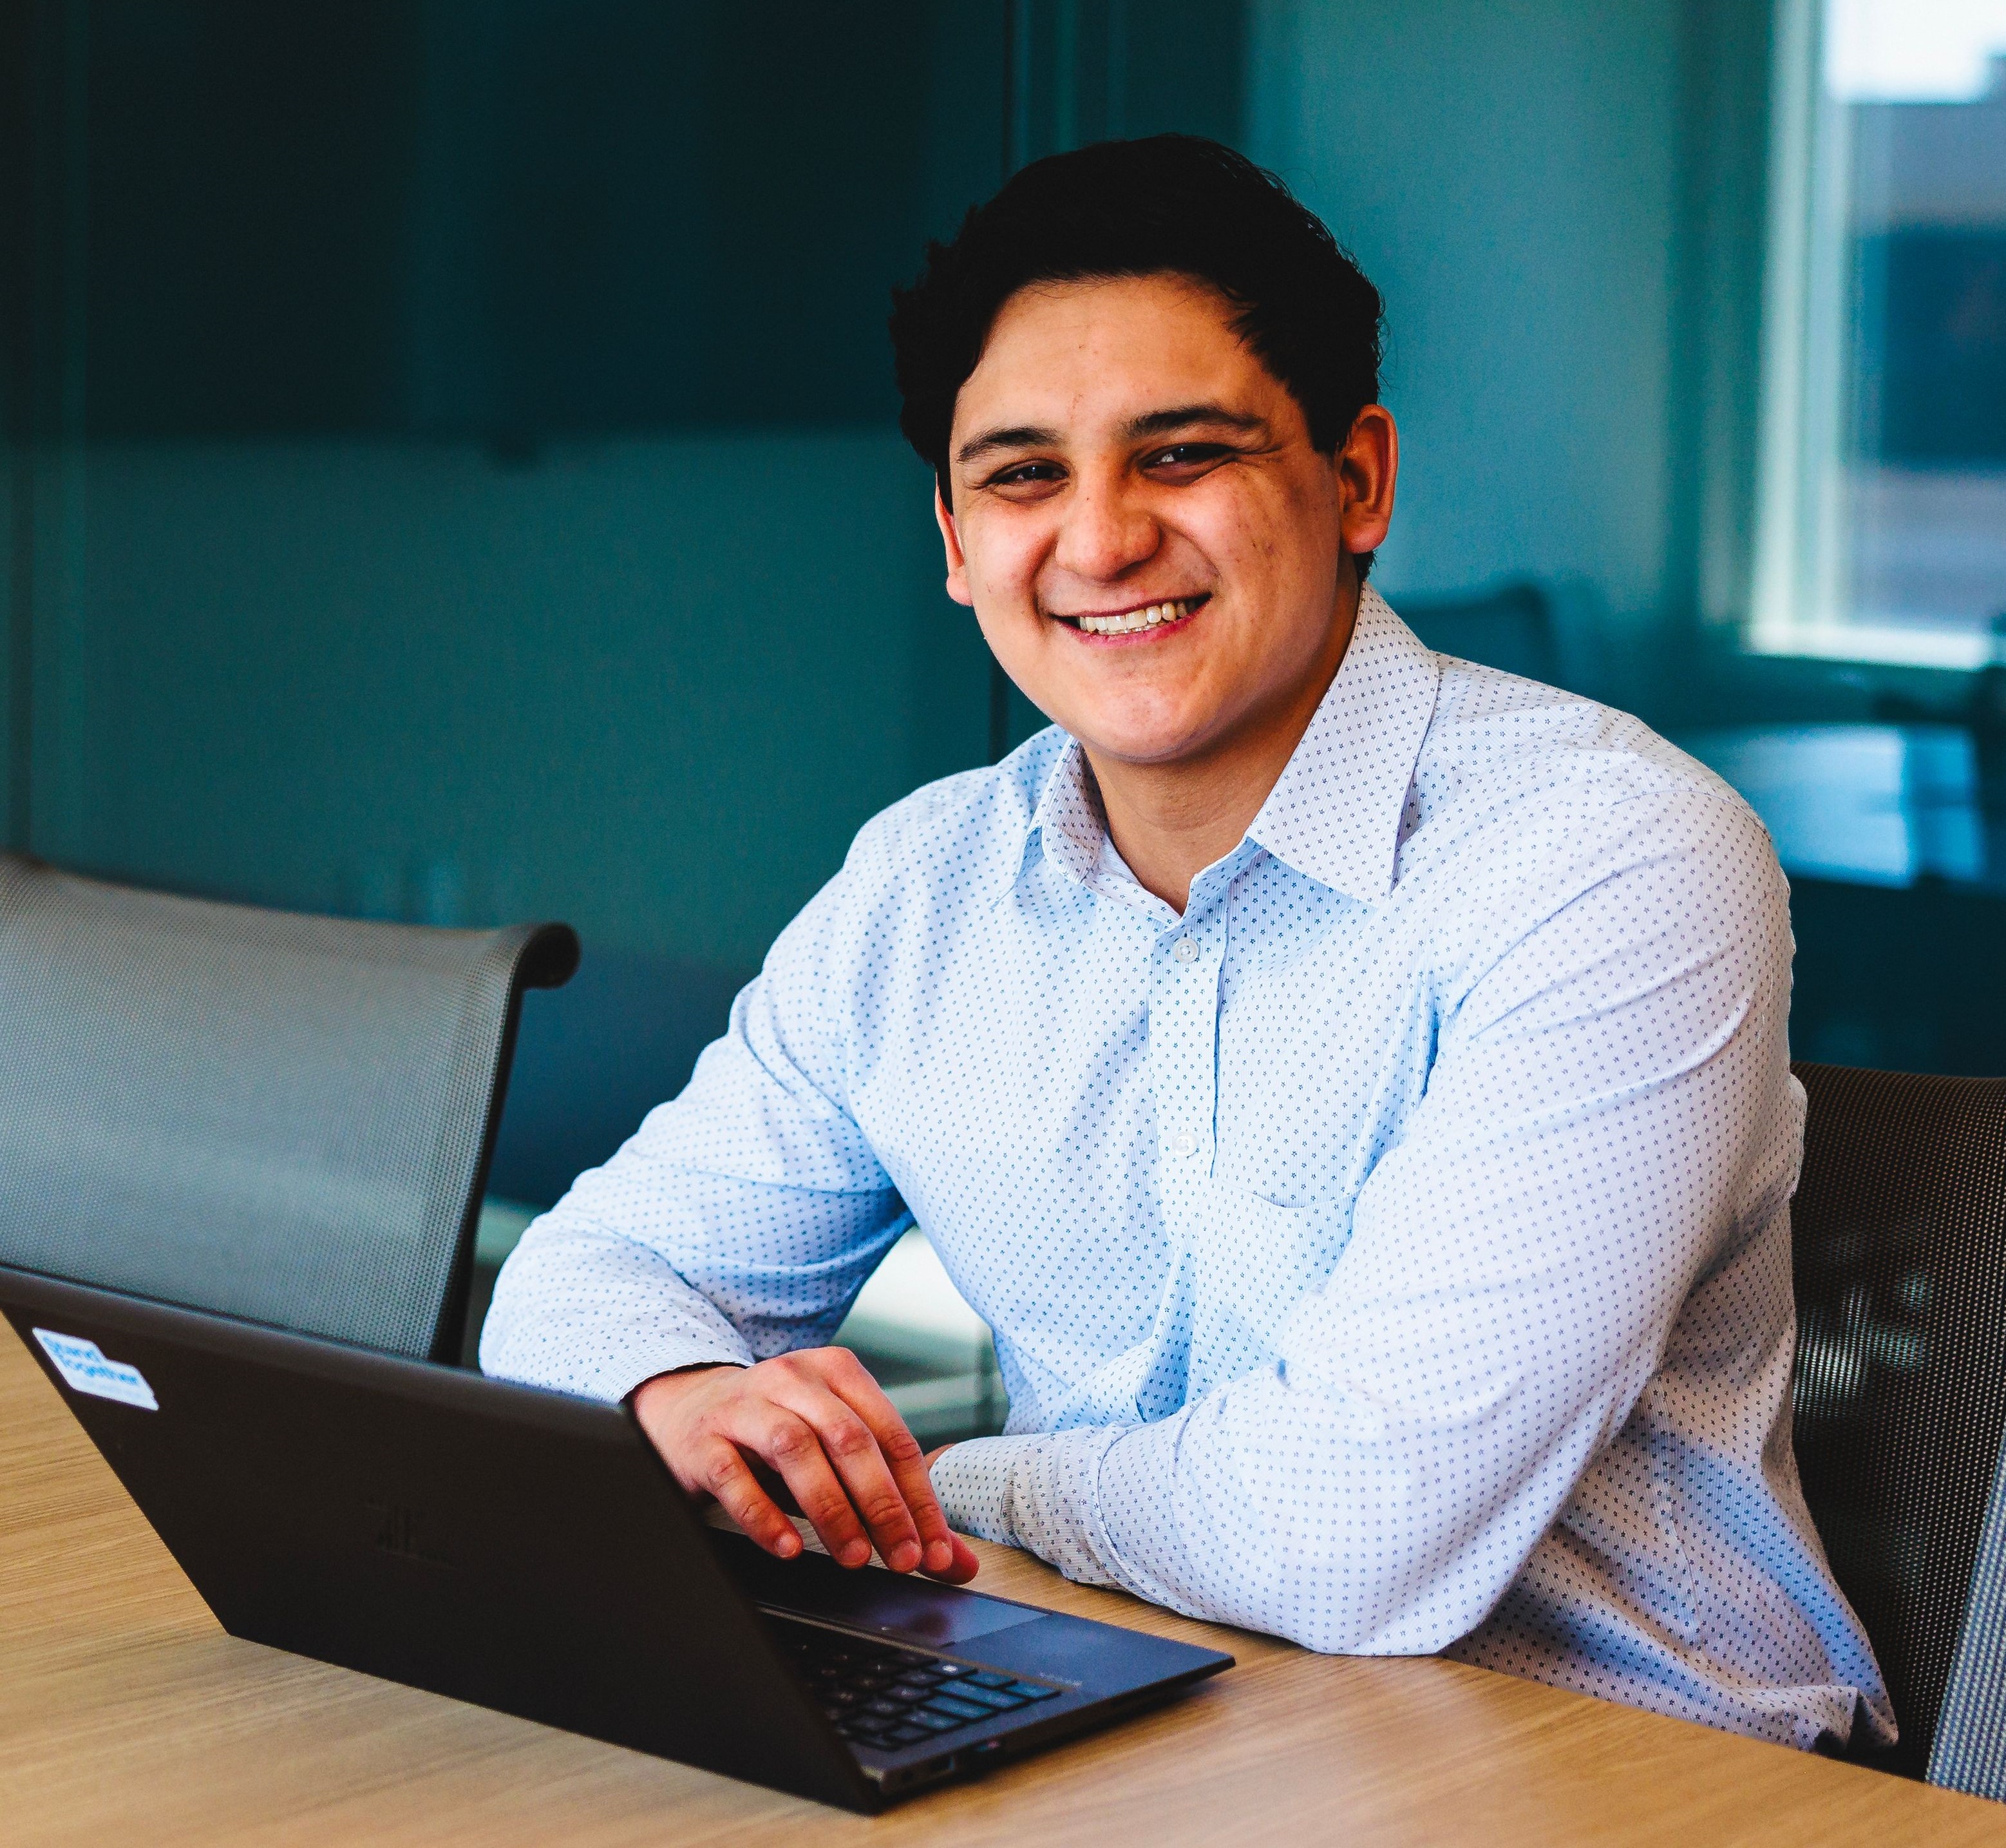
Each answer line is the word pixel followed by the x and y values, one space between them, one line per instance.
pixel 1913 50
pixel 1881 528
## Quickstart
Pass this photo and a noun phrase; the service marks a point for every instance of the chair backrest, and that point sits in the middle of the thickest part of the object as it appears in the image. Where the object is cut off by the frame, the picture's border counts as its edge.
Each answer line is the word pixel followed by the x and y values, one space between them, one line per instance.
pixel 1899 1229
pixel 1969 1751
pixel 282 1117
pixel 1511 627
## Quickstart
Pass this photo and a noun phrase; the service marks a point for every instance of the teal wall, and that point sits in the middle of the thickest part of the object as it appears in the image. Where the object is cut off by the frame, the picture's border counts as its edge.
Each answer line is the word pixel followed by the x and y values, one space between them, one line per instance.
pixel 651 685
pixel 1554 196
pixel 1513 192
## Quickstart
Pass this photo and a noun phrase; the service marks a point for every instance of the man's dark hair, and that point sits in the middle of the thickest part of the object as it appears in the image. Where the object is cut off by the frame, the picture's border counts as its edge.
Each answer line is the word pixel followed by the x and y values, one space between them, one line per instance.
pixel 1175 204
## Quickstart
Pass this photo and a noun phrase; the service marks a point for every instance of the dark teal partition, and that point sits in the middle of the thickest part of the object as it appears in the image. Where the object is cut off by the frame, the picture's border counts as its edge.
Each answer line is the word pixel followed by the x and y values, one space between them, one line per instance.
pixel 453 472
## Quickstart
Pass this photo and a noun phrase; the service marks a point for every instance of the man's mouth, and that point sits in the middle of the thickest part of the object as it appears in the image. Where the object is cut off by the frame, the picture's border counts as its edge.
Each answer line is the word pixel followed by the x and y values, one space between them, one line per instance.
pixel 1131 622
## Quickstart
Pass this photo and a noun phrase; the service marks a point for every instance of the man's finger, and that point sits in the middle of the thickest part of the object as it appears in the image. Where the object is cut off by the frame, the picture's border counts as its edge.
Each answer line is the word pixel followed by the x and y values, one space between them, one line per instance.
pixel 940 1554
pixel 729 1479
pixel 962 1565
pixel 791 1445
pixel 852 1449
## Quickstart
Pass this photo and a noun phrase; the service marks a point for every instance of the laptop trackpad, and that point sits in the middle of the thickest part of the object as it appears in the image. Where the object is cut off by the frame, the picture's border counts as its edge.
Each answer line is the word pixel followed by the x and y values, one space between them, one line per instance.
pixel 895 1604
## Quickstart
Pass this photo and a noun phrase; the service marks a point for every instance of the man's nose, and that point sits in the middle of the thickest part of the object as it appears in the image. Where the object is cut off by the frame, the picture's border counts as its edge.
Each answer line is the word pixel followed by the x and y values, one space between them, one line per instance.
pixel 1105 531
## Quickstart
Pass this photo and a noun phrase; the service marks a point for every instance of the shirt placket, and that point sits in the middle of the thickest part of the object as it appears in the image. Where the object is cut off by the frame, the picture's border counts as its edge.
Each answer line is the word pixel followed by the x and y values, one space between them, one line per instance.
pixel 1183 1050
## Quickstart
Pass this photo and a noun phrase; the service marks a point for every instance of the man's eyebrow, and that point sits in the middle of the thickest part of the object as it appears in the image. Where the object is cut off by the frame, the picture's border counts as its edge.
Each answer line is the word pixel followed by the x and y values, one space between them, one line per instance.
pixel 1182 417
pixel 1154 423
pixel 1021 436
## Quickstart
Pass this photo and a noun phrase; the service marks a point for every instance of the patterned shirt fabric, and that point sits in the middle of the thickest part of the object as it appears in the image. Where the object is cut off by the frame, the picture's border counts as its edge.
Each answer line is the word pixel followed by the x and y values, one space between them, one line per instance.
pixel 1391 1253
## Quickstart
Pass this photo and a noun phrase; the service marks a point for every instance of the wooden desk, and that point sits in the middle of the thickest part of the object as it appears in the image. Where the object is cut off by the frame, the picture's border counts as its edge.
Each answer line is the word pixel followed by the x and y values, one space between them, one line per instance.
pixel 127 1715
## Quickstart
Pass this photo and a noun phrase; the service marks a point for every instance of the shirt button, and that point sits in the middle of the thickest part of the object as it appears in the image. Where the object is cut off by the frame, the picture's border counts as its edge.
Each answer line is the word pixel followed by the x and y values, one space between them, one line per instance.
pixel 1186 950
pixel 1185 1144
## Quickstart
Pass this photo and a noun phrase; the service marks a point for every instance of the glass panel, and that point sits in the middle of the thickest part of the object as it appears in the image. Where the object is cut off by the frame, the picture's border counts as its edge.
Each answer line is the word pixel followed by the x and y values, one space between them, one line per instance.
pixel 456 473
pixel 461 479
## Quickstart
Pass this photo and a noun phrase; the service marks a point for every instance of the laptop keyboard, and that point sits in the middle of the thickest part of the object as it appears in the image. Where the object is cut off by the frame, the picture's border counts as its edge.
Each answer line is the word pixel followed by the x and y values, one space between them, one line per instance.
pixel 880 1694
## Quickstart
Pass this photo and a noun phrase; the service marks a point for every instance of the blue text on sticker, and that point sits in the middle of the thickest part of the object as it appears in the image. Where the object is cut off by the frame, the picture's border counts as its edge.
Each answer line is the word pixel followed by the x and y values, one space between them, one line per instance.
pixel 85 1370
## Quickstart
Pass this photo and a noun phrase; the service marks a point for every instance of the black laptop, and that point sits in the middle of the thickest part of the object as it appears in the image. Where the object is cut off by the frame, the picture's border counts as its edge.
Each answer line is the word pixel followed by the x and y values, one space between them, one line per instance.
pixel 528 1551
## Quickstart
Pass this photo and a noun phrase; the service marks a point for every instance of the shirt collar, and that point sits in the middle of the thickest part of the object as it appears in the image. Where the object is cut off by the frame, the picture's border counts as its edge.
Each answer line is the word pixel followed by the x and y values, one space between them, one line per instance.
pixel 1066 821
pixel 1335 811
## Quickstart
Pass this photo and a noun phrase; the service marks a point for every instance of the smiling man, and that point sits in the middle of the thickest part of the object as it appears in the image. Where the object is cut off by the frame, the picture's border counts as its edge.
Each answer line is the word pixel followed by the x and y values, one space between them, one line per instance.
pixel 1352 1083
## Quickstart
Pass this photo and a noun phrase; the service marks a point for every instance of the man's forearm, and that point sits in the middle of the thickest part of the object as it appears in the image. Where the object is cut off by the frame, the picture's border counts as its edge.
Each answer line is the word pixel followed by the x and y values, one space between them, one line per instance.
pixel 1314 1514
pixel 1040 1493
pixel 586 1310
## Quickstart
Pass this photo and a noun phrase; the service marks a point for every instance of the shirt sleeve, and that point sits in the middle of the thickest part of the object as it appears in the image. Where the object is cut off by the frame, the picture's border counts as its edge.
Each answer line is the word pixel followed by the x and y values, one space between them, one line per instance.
pixel 739 1221
pixel 1609 1113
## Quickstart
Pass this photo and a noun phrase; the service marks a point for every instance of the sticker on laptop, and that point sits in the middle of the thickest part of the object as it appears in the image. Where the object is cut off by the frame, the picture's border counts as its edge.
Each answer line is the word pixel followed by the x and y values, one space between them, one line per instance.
pixel 85 1369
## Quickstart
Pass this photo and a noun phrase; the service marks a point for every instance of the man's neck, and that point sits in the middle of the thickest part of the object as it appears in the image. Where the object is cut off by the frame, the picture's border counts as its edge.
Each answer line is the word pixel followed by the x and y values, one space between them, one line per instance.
pixel 1169 822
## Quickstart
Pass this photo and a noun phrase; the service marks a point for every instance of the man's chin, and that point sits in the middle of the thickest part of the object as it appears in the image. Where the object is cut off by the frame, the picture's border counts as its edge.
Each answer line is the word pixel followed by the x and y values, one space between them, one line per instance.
pixel 1156 743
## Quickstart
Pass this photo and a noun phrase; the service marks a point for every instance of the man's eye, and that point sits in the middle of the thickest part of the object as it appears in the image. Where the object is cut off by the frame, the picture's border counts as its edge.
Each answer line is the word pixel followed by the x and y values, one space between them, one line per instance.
pixel 1021 472
pixel 1187 455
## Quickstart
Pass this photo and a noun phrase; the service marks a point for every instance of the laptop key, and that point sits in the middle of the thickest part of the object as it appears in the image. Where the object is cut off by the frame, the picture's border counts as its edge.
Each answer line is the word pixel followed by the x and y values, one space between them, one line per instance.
pixel 961 1709
pixel 999 1699
pixel 887 1697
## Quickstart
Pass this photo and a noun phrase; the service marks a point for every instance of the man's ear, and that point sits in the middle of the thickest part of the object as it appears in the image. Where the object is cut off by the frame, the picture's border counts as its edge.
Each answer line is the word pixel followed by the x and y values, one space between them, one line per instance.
pixel 1367 466
pixel 957 566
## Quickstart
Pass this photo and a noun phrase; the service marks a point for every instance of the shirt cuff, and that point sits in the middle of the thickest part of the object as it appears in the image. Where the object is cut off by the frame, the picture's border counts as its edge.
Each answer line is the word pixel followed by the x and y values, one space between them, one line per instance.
pixel 638 1364
pixel 600 1328
pixel 1039 1493
pixel 629 1358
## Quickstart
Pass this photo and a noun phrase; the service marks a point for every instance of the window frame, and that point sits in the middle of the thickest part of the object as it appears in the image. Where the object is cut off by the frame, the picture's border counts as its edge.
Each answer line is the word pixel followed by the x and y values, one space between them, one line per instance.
pixel 1796 605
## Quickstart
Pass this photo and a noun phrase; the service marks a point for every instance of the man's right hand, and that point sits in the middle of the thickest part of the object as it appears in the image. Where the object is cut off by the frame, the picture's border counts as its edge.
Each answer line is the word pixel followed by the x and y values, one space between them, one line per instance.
pixel 823 1425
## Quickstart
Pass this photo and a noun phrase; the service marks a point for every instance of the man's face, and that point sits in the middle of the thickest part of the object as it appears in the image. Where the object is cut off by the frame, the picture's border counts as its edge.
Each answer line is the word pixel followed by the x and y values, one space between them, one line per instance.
pixel 1118 455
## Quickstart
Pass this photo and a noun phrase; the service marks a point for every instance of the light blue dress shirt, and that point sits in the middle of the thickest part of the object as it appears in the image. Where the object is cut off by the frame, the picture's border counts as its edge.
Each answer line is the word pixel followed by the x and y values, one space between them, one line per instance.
pixel 1392 1253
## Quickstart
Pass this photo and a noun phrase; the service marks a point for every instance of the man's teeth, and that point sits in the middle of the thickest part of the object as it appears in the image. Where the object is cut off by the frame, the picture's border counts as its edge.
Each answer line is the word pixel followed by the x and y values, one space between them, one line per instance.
pixel 1129 620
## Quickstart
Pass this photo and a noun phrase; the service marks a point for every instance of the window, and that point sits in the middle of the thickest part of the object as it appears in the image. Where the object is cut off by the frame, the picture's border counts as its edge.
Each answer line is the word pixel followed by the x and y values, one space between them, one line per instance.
pixel 1882 493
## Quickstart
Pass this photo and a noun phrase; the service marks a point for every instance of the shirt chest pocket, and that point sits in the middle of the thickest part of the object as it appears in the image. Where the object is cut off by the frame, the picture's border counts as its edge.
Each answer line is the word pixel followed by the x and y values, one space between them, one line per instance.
pixel 1252 1262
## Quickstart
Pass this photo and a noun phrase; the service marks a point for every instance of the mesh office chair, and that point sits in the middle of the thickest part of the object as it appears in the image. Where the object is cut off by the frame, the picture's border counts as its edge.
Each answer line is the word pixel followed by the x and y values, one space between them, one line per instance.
pixel 282 1117
pixel 1899 1228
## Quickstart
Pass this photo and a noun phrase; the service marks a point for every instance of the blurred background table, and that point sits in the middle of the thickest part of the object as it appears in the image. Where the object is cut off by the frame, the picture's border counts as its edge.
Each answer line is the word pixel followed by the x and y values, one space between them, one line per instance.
pixel 1894 837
